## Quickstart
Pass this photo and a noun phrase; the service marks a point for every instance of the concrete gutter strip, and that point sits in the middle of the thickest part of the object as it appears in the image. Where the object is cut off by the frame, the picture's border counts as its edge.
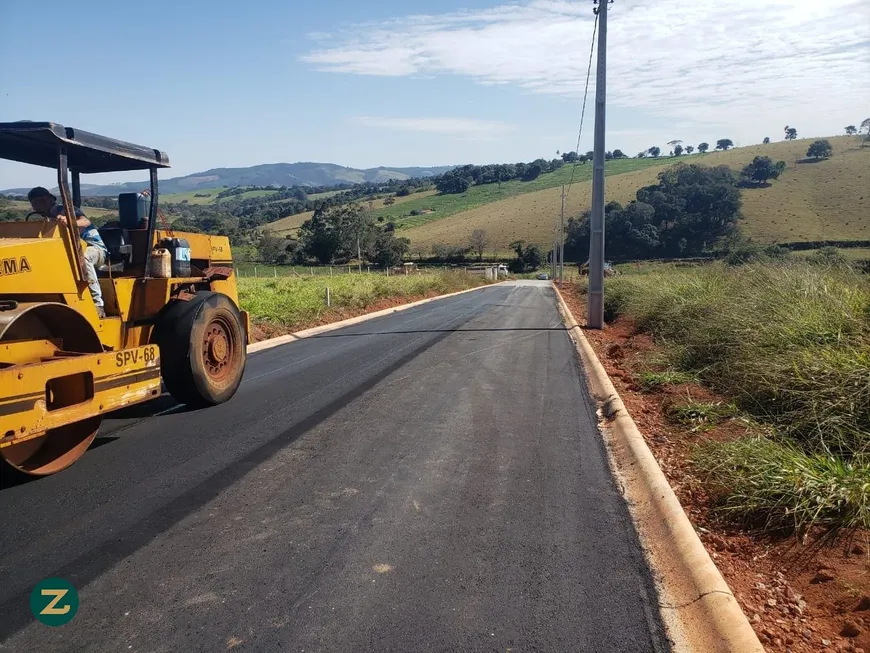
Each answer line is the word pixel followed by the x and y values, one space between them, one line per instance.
pixel 697 606
pixel 307 333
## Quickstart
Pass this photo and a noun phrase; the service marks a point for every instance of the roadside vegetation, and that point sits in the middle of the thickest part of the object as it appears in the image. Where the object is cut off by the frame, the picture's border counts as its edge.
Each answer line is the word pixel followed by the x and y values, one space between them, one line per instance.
pixel 283 304
pixel 787 342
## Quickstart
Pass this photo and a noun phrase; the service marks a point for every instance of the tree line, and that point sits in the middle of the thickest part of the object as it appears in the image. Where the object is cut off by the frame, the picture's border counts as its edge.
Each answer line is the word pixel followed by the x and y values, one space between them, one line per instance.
pixel 336 235
pixel 460 179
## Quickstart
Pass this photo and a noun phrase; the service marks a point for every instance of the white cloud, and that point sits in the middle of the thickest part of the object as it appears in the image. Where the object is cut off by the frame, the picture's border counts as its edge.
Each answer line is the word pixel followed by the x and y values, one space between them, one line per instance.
pixel 462 127
pixel 735 65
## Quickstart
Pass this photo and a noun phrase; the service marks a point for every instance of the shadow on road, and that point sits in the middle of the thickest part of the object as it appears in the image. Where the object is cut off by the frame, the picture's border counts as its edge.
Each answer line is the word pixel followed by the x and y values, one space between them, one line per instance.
pixel 402 332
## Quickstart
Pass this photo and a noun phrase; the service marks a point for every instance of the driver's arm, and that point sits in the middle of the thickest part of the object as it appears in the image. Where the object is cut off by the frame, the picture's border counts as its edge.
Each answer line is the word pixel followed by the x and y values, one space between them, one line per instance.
pixel 81 220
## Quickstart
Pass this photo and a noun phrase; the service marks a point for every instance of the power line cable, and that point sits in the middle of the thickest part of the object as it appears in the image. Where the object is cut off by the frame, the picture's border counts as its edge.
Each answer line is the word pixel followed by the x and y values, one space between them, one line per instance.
pixel 583 112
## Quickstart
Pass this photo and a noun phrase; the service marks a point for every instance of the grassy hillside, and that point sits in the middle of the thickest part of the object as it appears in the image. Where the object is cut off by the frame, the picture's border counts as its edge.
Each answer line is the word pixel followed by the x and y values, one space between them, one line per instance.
pixel 210 196
pixel 443 206
pixel 291 223
pixel 530 216
pixel 811 201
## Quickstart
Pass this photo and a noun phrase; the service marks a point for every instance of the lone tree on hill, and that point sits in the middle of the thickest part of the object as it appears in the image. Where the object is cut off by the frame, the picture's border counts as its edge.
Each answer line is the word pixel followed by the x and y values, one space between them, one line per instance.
pixel 851 130
pixel 619 154
pixel 724 143
pixel 790 133
pixel 690 149
pixel 766 140
pixel 640 155
pixel 761 169
pixel 678 149
pixel 655 151
pixel 820 149
pixel 703 147
pixel 478 242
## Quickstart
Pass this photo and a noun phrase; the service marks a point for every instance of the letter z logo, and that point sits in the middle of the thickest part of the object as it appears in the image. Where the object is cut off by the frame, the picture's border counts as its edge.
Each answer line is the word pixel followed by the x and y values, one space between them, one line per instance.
pixel 54 601
pixel 58 595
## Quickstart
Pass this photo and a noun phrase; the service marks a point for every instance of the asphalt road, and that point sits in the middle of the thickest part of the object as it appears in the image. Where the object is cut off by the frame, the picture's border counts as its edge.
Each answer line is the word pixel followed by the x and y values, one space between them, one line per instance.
pixel 427 481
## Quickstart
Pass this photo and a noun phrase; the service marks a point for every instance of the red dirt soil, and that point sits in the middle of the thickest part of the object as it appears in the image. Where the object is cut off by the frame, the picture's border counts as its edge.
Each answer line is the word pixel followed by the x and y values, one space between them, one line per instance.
pixel 799 597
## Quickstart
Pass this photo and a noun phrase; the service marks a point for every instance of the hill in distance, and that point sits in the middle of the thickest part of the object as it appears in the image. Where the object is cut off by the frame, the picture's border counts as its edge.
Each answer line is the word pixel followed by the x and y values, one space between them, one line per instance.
pixel 267 174
pixel 811 201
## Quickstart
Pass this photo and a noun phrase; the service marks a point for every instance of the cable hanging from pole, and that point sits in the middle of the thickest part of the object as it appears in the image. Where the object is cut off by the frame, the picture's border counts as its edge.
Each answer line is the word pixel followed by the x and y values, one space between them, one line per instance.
pixel 583 112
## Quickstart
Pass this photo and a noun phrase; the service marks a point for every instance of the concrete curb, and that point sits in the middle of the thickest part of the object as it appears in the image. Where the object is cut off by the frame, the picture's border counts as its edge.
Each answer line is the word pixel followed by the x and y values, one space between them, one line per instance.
pixel 699 611
pixel 307 333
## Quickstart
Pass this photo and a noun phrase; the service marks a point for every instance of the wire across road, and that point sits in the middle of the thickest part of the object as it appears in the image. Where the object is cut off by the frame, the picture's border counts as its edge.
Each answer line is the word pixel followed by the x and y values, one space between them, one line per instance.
pixel 432 480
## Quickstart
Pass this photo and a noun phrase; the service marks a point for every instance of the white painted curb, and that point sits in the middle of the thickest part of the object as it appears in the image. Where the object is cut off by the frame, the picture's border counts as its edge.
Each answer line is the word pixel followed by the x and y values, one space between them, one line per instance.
pixel 307 333
pixel 699 611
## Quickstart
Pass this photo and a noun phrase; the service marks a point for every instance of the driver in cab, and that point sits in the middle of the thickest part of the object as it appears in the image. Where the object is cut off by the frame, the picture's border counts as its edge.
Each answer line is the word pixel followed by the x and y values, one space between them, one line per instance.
pixel 44 203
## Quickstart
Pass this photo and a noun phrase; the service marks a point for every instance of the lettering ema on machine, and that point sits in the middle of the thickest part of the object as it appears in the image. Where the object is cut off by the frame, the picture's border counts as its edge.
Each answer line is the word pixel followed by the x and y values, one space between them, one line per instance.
pixel 16 265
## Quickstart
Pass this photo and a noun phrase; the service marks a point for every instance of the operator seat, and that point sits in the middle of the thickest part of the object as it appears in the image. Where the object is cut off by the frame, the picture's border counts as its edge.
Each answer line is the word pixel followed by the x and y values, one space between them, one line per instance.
pixel 131 207
pixel 120 251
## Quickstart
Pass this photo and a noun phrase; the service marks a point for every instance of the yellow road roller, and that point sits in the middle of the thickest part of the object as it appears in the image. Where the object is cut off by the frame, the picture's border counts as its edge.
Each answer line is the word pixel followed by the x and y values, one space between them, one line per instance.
pixel 170 313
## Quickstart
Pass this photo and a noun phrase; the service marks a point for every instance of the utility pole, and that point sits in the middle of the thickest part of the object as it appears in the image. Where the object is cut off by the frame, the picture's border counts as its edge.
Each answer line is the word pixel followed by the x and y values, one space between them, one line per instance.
pixel 562 240
pixel 358 254
pixel 553 257
pixel 595 307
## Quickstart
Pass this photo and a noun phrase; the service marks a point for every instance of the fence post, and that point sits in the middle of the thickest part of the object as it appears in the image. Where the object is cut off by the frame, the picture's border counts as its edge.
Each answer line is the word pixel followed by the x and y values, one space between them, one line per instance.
pixel 330 270
pixel 276 272
pixel 311 270
pixel 368 269
pixel 255 270
pixel 328 303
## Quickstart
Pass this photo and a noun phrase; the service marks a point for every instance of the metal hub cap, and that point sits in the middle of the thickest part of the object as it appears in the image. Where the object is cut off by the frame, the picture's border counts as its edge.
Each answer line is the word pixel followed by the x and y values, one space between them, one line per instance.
pixel 218 345
pixel 217 349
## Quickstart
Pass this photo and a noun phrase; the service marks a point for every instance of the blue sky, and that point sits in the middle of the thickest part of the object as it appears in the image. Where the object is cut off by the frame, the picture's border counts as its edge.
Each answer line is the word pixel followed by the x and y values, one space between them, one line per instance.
pixel 441 82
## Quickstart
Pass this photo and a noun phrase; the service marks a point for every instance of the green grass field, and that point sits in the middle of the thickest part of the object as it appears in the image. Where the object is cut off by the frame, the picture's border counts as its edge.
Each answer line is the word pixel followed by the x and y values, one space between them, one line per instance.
pixel 446 205
pixel 291 224
pixel 209 196
pixel 324 195
pixel 297 302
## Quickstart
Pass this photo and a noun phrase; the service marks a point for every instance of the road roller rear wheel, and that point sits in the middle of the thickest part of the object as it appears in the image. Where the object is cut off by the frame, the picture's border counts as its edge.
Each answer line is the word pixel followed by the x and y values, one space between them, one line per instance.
pixel 61 447
pixel 202 349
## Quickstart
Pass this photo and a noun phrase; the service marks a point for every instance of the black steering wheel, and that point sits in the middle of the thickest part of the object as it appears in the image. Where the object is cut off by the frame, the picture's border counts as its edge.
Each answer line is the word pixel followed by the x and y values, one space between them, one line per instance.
pixel 27 217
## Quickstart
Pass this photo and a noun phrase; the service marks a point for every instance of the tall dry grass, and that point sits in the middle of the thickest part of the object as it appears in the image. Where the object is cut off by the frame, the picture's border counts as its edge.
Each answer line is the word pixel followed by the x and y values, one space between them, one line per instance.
pixel 789 343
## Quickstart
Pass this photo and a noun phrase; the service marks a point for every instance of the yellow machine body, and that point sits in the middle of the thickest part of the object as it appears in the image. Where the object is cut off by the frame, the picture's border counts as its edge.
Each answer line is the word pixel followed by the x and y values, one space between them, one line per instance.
pixel 63 363
pixel 48 382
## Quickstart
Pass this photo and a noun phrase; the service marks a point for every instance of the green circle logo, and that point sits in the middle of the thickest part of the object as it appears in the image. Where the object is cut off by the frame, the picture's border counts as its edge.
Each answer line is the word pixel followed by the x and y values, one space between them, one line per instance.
pixel 54 601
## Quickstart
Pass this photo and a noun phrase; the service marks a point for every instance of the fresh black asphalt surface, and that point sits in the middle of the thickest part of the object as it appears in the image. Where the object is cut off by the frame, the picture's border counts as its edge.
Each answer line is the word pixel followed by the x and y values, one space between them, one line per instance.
pixel 432 480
